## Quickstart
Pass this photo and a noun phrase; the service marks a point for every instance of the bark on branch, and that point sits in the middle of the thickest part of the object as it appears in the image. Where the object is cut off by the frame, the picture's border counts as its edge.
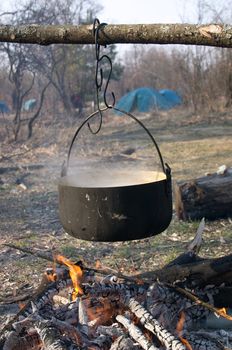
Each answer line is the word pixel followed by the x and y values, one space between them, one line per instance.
pixel 219 35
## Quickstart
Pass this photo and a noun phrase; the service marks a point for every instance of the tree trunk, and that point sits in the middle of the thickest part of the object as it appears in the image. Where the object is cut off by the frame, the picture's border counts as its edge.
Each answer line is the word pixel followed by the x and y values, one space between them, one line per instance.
pixel 35 116
pixel 209 197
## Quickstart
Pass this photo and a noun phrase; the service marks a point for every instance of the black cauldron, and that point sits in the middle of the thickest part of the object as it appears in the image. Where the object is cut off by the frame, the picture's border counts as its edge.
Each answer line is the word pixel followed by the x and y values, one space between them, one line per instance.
pixel 115 205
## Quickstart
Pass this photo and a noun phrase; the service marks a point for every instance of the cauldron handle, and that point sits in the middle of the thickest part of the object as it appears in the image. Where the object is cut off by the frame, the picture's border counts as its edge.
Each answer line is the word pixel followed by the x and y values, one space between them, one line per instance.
pixel 166 170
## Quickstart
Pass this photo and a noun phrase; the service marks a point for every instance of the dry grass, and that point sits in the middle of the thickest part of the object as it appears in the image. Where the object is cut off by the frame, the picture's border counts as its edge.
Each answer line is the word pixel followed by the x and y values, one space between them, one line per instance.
pixel 191 159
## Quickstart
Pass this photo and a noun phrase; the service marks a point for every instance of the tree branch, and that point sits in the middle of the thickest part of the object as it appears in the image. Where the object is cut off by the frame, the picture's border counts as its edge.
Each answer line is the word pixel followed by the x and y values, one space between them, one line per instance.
pixel 219 35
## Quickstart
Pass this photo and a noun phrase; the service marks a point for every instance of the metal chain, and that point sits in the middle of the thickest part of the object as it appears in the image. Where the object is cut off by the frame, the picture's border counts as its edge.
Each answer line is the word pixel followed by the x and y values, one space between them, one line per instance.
pixel 97 27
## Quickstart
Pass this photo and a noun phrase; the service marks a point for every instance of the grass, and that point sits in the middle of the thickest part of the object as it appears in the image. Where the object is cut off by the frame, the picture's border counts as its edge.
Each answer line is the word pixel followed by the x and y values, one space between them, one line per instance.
pixel 189 159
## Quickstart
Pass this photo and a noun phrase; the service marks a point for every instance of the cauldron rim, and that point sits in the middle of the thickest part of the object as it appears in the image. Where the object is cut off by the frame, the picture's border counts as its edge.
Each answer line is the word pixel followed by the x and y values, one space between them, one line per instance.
pixel 63 182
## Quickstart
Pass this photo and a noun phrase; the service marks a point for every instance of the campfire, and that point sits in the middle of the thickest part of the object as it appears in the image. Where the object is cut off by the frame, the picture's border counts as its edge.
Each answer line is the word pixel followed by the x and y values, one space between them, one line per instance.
pixel 184 305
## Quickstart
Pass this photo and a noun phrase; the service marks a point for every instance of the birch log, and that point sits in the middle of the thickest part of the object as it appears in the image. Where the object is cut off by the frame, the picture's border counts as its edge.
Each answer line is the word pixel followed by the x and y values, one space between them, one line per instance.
pixel 219 35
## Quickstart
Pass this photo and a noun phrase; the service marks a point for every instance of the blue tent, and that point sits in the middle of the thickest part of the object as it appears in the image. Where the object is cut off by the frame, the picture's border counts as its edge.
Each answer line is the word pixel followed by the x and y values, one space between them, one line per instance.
pixel 3 107
pixel 29 105
pixel 144 100
pixel 172 96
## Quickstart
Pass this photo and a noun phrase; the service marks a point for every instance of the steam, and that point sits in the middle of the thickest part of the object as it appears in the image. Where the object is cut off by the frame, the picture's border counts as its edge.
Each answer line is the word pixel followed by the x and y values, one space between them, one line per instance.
pixel 98 178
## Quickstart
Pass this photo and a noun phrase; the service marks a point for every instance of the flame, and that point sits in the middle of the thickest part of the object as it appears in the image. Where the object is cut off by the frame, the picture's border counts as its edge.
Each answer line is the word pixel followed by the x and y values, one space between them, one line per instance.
pixel 75 273
pixel 98 264
pixel 179 328
pixel 101 313
pixel 50 275
pixel 223 312
pixel 21 305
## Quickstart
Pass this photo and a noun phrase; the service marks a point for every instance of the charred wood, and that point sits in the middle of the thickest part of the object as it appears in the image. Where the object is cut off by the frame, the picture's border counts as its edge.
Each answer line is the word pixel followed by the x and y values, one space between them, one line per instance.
pixel 51 337
pixel 41 300
pixel 124 343
pixel 200 272
pixel 28 342
pixel 70 331
pixel 114 331
pixel 209 196
pixel 162 313
pixel 113 291
pixel 166 304
pixel 147 320
pixel 83 317
pixel 203 341
pixel 102 342
pixel 136 333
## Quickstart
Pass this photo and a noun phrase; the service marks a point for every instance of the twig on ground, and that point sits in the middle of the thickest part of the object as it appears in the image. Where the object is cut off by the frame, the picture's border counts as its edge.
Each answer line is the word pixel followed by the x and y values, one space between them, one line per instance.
pixel 49 257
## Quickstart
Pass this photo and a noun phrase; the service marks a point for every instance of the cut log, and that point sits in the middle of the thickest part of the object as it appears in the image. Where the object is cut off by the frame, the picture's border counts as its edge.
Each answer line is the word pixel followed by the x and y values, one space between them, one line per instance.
pixel 209 197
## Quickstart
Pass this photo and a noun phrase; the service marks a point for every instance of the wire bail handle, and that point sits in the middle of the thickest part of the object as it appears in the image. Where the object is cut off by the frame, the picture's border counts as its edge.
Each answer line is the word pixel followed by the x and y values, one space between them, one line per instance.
pixel 97 27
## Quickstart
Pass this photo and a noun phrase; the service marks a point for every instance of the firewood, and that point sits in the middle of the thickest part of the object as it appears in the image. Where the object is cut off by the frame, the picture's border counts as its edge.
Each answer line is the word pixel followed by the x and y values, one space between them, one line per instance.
pixel 136 333
pixel 191 268
pixel 146 319
pixel 123 343
pixel 199 273
pixel 57 334
pixel 102 342
pixel 209 196
pixel 114 331
pixel 202 340
pixel 166 304
pixel 83 317
pixel 40 300
pixel 198 301
pixel 124 296
pixel 102 312
pixel 51 337
pixel 27 342
pixel 113 291
pixel 195 244
pixel 71 331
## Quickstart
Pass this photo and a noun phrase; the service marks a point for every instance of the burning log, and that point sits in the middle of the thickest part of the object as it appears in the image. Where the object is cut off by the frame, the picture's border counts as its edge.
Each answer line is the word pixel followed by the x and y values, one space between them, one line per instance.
pixel 41 300
pixel 51 337
pixel 56 334
pixel 83 318
pixel 28 342
pixel 203 340
pixel 136 333
pixel 123 343
pixel 209 196
pixel 165 337
pixel 114 331
pixel 114 292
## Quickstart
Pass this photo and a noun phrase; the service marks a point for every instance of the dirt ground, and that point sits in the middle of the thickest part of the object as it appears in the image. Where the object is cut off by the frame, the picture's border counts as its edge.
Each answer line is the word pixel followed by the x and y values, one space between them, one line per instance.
pixel 191 145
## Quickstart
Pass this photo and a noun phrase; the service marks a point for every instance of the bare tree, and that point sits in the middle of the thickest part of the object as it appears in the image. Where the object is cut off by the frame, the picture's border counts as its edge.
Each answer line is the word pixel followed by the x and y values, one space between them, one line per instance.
pixel 63 66
pixel 59 66
pixel 21 78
